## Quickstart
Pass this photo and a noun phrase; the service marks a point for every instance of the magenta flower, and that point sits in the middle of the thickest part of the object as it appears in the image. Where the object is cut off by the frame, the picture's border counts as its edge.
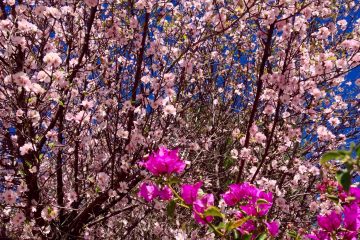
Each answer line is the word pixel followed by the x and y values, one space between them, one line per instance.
pixel 164 161
pixel 148 191
pixel 352 217
pixel 318 235
pixel 257 202
pixel 355 192
pixel 239 192
pixel 189 192
pixel 234 195
pixel 165 193
pixel 248 194
pixel 200 205
pixel 273 228
pixel 249 209
pixel 352 235
pixel 247 227
pixel 329 222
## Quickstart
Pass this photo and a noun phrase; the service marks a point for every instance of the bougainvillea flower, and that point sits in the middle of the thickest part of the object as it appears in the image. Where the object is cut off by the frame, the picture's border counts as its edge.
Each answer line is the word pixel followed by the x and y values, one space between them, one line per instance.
pixel 355 192
pixel 329 222
pixel 199 207
pixel 247 227
pixel 318 235
pixel 165 193
pixel 273 228
pixel 263 208
pixel 148 191
pixel 238 192
pixel 351 235
pixel 247 193
pixel 234 195
pixel 352 217
pixel 249 209
pixel 164 161
pixel 189 192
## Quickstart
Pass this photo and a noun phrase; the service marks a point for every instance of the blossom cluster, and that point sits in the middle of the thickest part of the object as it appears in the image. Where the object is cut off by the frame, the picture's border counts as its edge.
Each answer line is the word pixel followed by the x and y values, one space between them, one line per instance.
pixel 251 205
pixel 343 222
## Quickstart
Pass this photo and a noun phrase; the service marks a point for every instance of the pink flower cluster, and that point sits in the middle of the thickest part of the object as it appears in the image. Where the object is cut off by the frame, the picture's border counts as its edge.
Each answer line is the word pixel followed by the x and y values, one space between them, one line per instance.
pixel 190 195
pixel 150 191
pixel 345 223
pixel 252 202
pixel 333 224
pixel 164 161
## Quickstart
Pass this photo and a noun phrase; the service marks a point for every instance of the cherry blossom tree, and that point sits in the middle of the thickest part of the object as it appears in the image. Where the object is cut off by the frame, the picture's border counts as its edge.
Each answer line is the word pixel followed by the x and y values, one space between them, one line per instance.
pixel 251 93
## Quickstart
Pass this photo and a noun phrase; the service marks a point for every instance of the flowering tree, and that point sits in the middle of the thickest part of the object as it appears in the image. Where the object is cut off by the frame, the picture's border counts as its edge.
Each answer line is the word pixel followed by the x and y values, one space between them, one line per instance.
pixel 252 93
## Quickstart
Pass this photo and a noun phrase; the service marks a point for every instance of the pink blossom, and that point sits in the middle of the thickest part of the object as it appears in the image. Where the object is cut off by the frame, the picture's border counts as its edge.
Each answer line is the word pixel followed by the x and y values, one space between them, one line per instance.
pixel 260 137
pixel 10 197
pixel 269 110
pixel 18 219
pixel 91 3
pixel 49 213
pixel 169 109
pixel 342 23
pixel 102 180
pixel 52 59
pixel 350 44
pixel 26 148
pixel 22 80
pixel 323 33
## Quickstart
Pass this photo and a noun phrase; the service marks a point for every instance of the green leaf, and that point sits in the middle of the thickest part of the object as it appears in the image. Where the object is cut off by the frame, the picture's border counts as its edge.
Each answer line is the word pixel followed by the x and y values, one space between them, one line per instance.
pixel 247 237
pixel 238 223
pixel 357 150
pixel 261 201
pixel 28 163
pixel 213 211
pixel 292 233
pixel 330 156
pixel 170 209
pixel 261 236
pixel 222 225
pixel 344 178
pixel 236 235
pixel 173 180
pixel 332 197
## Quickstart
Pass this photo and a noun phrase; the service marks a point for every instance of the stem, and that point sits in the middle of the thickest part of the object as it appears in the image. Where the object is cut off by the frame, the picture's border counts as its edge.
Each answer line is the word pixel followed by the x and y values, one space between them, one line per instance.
pixel 176 194
pixel 213 228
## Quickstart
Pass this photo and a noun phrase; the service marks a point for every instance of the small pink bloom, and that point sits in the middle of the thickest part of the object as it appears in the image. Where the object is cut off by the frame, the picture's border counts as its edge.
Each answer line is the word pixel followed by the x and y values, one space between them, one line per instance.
pixel 200 205
pixel 18 219
pixel 52 59
pixel 189 192
pixel 273 228
pixel 148 191
pixel 165 193
pixel 10 197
